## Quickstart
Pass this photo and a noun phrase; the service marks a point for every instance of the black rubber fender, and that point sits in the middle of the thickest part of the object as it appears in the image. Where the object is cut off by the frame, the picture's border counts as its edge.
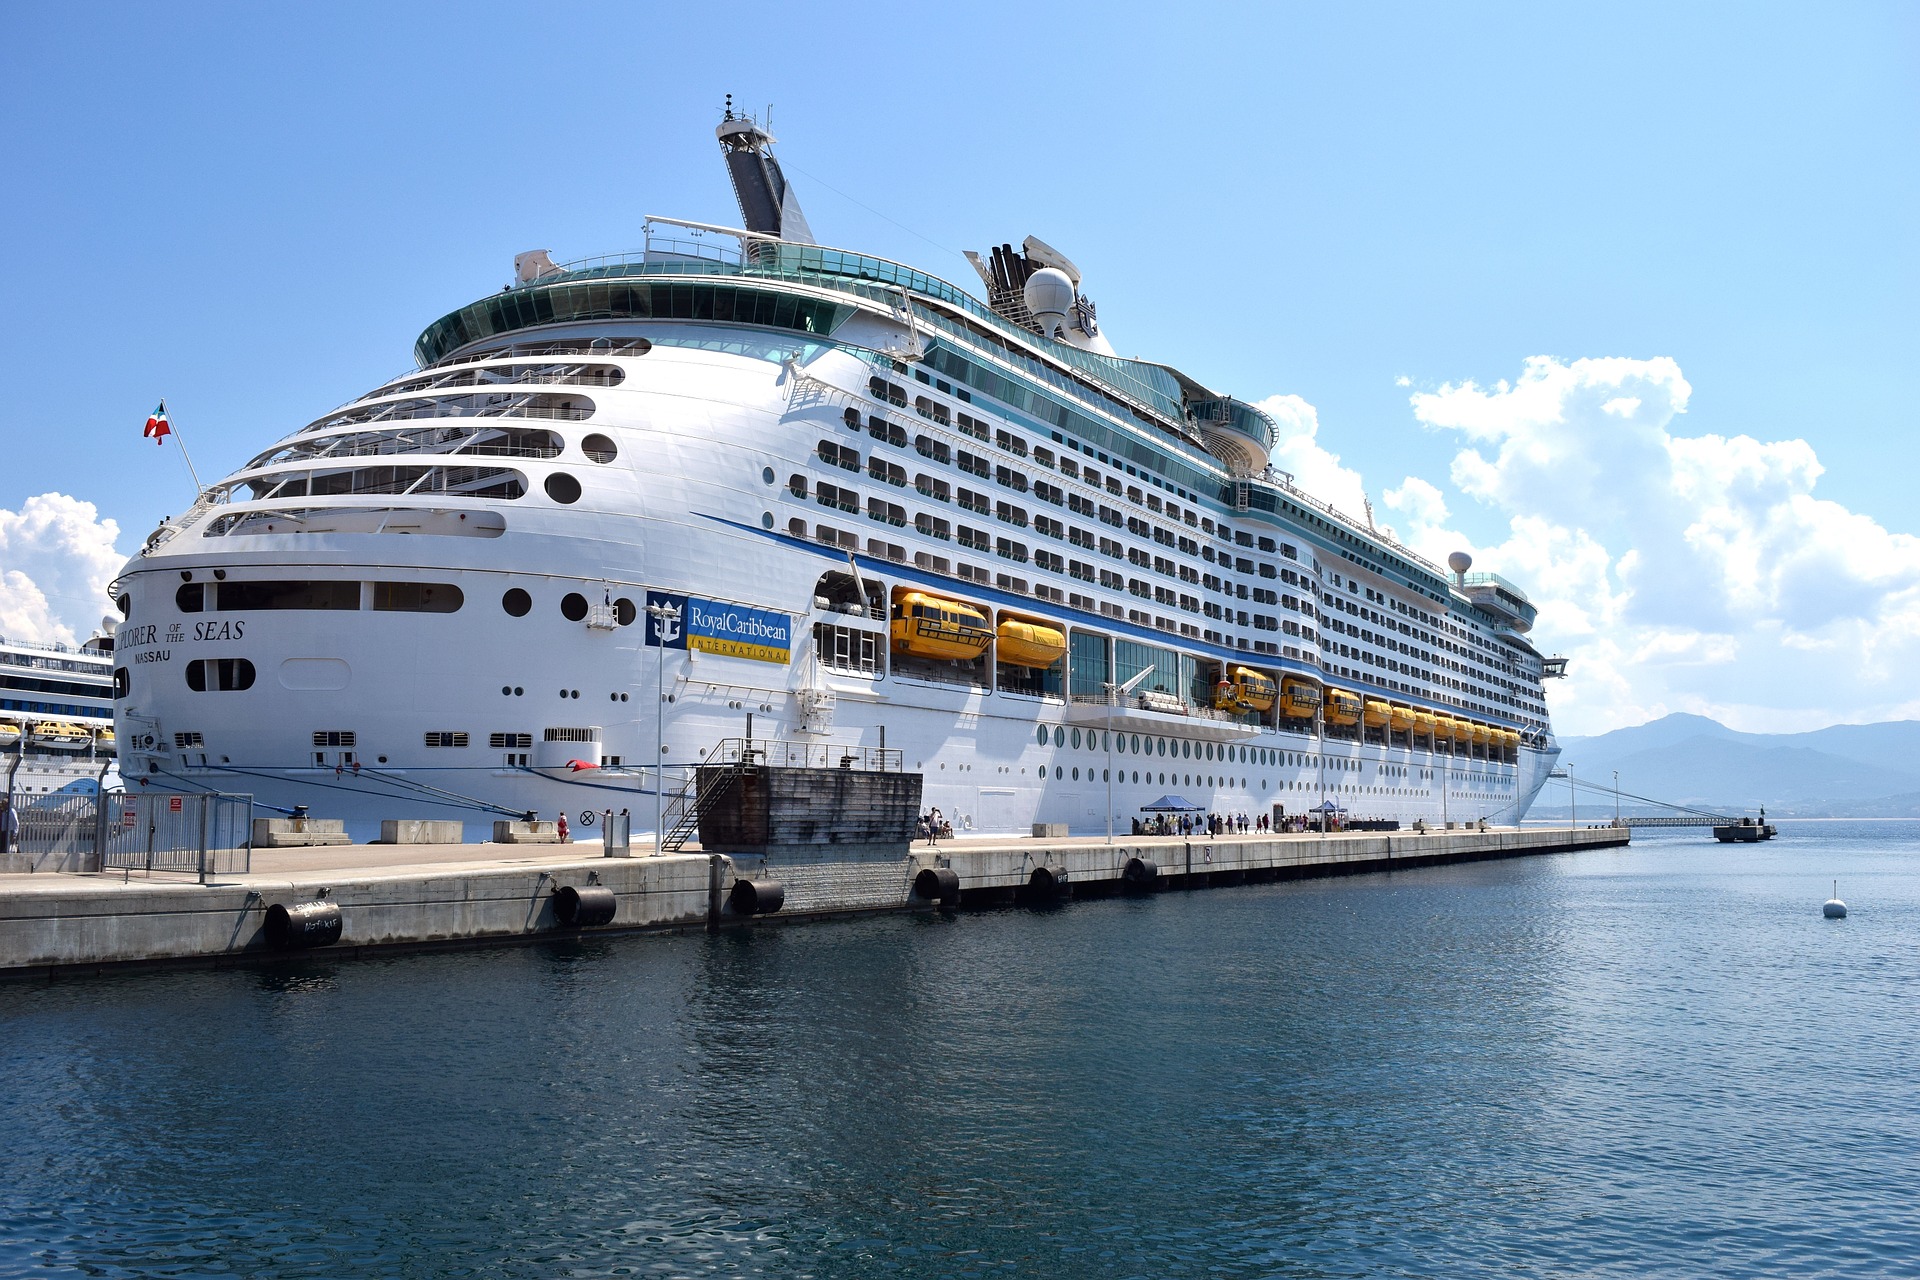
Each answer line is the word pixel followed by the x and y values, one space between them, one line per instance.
pixel 303 925
pixel 585 906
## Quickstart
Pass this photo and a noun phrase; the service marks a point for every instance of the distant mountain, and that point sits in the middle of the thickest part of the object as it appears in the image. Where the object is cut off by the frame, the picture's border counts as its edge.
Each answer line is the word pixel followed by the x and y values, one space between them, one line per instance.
pixel 1864 769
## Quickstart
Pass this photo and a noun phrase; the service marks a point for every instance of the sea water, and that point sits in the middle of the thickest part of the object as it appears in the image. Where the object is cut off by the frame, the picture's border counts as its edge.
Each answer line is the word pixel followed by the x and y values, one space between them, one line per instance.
pixel 1652 1061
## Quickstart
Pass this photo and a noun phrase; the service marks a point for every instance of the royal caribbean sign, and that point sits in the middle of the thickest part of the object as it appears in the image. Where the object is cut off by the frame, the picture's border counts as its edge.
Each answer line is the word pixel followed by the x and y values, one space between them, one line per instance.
pixel 732 630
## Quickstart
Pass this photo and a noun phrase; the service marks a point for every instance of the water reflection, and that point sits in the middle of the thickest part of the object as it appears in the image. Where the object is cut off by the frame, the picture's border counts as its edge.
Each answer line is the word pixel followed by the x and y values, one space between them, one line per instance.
pixel 1584 1064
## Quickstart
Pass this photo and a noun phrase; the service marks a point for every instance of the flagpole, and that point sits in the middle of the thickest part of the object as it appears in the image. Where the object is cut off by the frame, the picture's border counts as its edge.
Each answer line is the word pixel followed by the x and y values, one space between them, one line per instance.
pixel 198 488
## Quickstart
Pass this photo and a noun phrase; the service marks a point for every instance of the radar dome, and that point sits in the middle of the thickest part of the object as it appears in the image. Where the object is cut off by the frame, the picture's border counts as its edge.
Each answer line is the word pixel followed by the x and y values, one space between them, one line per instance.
pixel 1049 295
pixel 1460 562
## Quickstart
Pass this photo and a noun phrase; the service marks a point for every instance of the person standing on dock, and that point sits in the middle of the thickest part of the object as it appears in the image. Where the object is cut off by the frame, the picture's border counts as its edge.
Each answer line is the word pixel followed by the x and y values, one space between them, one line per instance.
pixel 9 826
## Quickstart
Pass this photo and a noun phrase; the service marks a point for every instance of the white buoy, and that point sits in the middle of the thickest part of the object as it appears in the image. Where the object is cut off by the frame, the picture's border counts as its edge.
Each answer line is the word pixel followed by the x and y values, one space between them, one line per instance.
pixel 1833 908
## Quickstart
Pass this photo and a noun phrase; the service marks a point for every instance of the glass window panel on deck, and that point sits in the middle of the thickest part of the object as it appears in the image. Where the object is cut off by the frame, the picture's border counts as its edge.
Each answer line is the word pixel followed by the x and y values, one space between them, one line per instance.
pixel 1088 660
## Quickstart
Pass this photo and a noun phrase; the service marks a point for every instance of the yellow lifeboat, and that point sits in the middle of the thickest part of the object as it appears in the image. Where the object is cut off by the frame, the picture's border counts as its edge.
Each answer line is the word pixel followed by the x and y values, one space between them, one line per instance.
pixel 104 742
pixel 1462 730
pixel 1028 644
pixel 1378 714
pixel 1253 691
pixel 9 733
pixel 60 735
pixel 1403 719
pixel 1343 708
pixel 1425 723
pixel 1482 735
pixel 927 626
pixel 1299 699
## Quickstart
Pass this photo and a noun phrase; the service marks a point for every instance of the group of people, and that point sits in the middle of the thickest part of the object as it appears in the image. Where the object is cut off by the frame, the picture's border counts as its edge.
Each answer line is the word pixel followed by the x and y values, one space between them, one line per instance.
pixel 1210 824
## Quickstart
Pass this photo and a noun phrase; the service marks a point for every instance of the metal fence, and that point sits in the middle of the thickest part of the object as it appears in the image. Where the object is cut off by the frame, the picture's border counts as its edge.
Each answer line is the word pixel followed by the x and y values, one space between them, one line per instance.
pixel 204 833
pixel 57 833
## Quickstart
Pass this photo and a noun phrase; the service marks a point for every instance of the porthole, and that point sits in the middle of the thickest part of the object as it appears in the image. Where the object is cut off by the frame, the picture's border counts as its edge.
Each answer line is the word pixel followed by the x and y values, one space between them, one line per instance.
pixel 625 611
pixel 766 519
pixel 574 607
pixel 1040 735
pixel 563 488
pixel 1058 772
pixel 1120 744
pixel 766 475
pixel 1059 736
pixel 1186 748
pixel 1075 736
pixel 1136 743
pixel 599 448
pixel 516 602
pixel 1076 775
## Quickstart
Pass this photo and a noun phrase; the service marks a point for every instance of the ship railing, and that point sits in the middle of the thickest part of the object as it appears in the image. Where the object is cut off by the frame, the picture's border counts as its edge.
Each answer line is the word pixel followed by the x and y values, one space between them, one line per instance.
pixel 779 753
pixel 1132 702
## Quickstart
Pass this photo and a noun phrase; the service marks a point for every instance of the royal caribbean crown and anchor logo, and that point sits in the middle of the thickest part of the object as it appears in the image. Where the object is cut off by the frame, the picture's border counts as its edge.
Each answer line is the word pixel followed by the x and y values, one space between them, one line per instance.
pixel 709 626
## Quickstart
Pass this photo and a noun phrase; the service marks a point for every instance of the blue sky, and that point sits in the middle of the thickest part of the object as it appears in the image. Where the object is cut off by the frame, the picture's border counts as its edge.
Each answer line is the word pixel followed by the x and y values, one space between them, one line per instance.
pixel 253 210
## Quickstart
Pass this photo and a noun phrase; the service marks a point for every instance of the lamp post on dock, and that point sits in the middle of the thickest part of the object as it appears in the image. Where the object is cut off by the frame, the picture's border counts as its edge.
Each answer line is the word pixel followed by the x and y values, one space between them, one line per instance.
pixel 1114 693
pixel 1616 797
pixel 665 628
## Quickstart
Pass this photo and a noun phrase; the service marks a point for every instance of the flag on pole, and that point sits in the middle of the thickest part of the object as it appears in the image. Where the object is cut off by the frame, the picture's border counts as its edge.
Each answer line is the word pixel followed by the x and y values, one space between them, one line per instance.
pixel 157 426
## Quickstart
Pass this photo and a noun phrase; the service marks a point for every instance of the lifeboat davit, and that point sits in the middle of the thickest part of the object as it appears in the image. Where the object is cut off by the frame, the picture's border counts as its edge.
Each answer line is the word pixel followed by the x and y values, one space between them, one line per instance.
pixel 1403 719
pixel 1343 708
pixel 1378 714
pixel 1299 699
pixel 926 626
pixel 1028 644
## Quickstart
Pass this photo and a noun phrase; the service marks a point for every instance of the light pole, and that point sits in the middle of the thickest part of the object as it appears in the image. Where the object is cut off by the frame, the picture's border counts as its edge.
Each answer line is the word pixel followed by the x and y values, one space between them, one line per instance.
pixel 665 627
pixel 1616 797
pixel 1573 806
pixel 1114 692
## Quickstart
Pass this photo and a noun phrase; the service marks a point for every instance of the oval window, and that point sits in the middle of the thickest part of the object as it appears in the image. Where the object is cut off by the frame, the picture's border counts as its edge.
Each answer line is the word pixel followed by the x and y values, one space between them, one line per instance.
pixel 1076 739
pixel 600 448
pixel 1076 775
pixel 516 602
pixel 574 607
pixel 766 474
pixel 1040 735
pixel 624 611
pixel 1059 736
pixel 563 488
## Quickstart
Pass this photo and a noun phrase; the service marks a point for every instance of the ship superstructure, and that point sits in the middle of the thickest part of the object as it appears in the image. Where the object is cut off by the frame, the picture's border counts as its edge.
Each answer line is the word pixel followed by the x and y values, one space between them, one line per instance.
pixel 627 504
pixel 56 717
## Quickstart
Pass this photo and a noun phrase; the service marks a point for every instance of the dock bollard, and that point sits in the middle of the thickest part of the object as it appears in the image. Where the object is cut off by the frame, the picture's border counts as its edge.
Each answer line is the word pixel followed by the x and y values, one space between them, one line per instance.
pixel 303 925
pixel 939 884
pixel 585 906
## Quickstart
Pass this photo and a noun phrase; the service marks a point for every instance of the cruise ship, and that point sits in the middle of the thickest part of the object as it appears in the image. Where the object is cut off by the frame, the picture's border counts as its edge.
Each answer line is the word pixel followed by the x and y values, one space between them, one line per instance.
pixel 56 718
pixel 743 485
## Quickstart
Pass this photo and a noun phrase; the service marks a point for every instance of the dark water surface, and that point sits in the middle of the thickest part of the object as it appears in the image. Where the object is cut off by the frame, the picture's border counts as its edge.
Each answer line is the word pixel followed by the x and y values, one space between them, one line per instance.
pixel 1659 1061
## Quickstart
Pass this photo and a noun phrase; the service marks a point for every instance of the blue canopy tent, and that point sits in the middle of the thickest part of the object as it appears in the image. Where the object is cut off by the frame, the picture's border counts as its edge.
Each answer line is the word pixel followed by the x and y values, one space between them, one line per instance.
pixel 1326 806
pixel 1171 804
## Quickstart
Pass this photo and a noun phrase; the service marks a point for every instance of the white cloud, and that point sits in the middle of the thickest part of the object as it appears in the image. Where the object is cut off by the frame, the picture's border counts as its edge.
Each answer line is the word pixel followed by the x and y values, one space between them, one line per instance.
pixel 1679 573
pixel 1315 469
pixel 56 559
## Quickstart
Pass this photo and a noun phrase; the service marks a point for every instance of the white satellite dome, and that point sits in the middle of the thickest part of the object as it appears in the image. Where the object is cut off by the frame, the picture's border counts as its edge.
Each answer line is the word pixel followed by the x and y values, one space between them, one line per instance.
pixel 1049 295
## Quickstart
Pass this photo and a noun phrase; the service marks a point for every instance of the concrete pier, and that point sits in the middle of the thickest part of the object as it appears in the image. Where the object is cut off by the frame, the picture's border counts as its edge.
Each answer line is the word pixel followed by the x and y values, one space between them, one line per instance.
pixel 54 924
